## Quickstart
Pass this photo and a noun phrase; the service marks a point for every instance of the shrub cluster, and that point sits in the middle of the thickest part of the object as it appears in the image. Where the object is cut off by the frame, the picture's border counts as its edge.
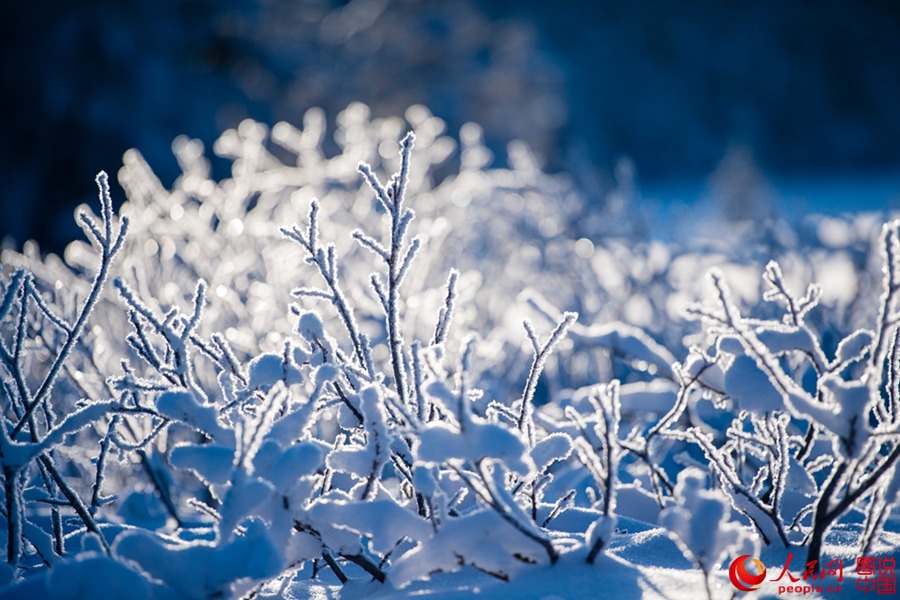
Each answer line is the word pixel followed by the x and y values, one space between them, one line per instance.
pixel 174 425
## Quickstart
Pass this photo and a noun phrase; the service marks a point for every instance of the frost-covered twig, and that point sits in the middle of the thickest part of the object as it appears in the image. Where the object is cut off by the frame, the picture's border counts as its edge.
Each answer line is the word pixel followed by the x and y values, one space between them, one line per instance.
pixel 446 312
pixel 607 405
pixel 397 258
pixel 885 411
pixel 418 379
pixel 827 511
pixel 887 306
pixel 13 505
pixel 525 422
pixel 97 498
pixel 326 263
pixel 797 309
pixel 491 494
pixel 175 329
pixel 109 244
pixel 761 515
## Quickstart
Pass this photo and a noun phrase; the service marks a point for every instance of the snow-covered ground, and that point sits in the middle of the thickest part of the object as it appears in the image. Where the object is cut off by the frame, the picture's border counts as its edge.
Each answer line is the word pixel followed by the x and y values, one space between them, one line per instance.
pixel 642 563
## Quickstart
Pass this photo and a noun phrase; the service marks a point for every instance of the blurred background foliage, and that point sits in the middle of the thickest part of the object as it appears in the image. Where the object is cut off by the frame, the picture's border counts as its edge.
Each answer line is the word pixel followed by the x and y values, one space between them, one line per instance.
pixel 806 89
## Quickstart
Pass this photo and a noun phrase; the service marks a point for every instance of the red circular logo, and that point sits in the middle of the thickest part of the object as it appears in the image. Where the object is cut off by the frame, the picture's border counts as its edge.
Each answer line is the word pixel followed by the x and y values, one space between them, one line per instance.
pixel 742 578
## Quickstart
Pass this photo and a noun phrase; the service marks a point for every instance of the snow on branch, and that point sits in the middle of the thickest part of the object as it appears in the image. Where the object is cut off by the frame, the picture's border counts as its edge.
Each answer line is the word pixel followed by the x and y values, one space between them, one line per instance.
pixel 541 352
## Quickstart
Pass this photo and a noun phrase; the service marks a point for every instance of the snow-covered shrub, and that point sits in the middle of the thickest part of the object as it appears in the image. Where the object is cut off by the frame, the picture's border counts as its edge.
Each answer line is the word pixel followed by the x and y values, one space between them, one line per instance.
pixel 350 446
pixel 212 437
pixel 799 411
pixel 40 340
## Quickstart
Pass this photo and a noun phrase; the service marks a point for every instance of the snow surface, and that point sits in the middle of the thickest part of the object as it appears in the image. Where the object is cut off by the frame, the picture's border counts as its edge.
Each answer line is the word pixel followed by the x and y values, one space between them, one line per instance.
pixel 643 563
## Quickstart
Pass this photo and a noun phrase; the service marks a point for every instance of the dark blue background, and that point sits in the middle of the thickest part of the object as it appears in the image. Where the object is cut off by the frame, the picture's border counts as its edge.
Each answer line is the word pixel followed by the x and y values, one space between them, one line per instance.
pixel 811 87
